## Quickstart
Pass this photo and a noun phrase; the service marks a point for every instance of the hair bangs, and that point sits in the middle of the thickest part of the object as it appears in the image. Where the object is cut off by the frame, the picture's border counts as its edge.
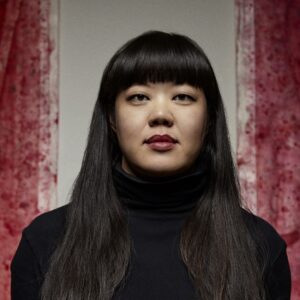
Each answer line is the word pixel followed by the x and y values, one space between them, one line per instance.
pixel 165 58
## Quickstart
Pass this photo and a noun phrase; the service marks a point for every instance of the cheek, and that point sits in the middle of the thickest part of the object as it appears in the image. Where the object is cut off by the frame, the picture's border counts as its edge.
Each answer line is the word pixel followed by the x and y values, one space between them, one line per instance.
pixel 192 128
pixel 193 122
pixel 129 126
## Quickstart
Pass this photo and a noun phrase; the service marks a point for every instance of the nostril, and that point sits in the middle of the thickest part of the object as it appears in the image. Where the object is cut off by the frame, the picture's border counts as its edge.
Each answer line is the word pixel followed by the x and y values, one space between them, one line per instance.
pixel 159 121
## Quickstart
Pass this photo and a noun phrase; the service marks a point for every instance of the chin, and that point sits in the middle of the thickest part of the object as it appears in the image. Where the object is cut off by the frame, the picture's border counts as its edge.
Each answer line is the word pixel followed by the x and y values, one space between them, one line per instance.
pixel 156 166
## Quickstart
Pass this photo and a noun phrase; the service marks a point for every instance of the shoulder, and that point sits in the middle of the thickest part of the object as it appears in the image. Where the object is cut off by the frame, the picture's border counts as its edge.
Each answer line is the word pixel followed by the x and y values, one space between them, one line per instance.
pixel 31 259
pixel 48 222
pixel 43 233
pixel 47 225
pixel 265 235
pixel 272 247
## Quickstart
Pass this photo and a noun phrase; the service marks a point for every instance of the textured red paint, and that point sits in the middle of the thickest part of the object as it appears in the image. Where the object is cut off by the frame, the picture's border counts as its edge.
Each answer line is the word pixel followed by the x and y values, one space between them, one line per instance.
pixel 28 118
pixel 276 120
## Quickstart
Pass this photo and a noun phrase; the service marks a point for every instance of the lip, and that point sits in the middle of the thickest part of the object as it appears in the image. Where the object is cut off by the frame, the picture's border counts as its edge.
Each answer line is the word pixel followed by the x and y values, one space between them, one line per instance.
pixel 165 138
pixel 161 146
pixel 162 142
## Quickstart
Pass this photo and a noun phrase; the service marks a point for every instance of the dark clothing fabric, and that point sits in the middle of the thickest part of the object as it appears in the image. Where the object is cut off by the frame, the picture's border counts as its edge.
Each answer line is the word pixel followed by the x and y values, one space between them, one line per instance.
pixel 156 211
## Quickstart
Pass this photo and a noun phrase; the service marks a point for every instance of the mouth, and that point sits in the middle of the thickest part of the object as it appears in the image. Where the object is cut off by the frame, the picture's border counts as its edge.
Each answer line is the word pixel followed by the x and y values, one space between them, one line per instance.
pixel 165 138
pixel 161 142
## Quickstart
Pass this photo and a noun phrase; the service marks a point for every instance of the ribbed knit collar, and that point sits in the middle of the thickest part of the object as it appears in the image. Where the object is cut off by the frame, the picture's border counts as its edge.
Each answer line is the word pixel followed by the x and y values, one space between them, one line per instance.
pixel 174 194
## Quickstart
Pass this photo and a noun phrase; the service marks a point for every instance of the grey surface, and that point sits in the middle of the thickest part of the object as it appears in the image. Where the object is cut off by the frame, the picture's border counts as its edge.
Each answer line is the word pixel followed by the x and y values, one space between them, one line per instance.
pixel 91 31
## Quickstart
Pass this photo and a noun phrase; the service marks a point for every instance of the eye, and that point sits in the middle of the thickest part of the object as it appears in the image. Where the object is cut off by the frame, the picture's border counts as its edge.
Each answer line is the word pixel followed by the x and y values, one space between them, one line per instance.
pixel 184 97
pixel 137 97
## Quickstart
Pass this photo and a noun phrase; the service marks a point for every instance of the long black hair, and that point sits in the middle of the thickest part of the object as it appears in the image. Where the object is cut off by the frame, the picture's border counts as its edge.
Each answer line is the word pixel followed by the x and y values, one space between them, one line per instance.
pixel 92 258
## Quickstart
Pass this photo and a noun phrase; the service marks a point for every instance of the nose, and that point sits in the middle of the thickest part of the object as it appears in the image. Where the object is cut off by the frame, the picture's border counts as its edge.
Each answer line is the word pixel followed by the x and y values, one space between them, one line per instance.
pixel 161 115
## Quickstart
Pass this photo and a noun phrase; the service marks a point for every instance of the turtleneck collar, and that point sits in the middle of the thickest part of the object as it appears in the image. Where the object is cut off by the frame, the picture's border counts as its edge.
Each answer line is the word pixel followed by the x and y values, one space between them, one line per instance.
pixel 174 194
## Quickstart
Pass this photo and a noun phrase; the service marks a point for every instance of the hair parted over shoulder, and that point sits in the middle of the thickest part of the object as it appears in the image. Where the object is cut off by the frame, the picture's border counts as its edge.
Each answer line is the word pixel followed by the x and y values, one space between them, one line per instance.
pixel 92 259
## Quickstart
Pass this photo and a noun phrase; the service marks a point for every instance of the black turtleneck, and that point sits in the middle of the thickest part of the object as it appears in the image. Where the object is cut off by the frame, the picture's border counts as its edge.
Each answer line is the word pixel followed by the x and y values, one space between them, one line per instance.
pixel 172 194
pixel 156 211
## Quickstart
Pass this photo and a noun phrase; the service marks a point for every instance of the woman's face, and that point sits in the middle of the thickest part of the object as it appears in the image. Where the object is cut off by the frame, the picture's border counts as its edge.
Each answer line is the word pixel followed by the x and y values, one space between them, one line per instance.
pixel 142 111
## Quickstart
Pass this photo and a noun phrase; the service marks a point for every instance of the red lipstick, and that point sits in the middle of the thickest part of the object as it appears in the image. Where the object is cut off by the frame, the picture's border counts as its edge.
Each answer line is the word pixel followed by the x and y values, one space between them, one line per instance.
pixel 161 142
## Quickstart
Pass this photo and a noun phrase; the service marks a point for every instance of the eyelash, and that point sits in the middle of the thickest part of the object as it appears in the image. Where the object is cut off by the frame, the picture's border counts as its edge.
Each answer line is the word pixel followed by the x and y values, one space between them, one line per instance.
pixel 132 97
pixel 139 96
pixel 186 96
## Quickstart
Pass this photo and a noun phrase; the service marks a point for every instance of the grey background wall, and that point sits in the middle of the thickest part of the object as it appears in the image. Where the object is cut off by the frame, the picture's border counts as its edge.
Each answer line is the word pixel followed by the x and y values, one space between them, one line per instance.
pixel 91 31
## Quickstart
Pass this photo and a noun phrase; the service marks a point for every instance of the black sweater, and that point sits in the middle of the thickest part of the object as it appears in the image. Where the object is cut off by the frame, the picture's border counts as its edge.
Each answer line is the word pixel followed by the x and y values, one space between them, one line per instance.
pixel 156 211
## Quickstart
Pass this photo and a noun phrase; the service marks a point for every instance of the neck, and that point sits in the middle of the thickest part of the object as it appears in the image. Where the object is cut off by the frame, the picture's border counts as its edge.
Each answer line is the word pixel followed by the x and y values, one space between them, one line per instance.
pixel 172 194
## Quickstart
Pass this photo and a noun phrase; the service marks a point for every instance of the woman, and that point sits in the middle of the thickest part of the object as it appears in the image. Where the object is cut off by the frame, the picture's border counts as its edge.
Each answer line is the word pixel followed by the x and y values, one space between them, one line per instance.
pixel 155 211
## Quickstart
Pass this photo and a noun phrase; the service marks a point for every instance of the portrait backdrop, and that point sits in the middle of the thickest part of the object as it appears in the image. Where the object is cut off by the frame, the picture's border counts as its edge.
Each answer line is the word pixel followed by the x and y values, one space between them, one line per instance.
pixel 268 75
pixel 28 120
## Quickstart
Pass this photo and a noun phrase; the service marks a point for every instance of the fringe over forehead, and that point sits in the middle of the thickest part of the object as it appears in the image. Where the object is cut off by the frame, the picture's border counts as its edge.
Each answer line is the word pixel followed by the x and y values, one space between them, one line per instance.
pixel 157 56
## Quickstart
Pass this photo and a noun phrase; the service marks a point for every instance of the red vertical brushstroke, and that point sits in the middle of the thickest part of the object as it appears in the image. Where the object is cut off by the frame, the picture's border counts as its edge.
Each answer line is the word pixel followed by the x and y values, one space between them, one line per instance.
pixel 277 36
pixel 28 114
pixel 277 121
